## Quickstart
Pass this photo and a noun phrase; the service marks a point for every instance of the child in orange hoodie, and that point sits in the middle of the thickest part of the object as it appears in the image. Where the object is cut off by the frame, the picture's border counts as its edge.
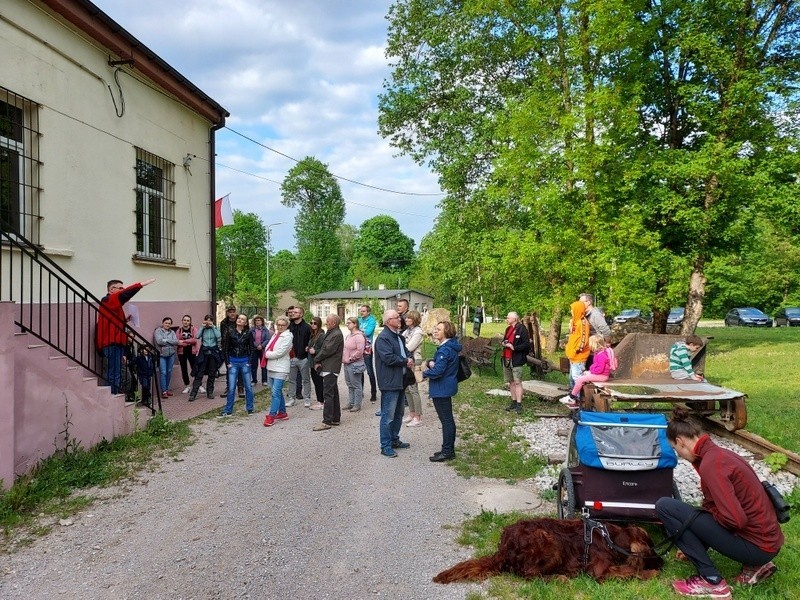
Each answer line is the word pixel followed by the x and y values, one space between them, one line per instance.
pixel 577 349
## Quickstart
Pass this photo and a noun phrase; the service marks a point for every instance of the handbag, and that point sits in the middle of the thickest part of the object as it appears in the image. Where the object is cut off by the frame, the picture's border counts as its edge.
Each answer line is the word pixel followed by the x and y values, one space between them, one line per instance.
pixel 782 507
pixel 464 370
pixel 409 378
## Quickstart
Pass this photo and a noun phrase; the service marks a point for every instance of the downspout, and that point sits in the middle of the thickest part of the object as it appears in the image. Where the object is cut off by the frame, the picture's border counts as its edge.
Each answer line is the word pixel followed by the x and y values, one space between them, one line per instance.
pixel 212 225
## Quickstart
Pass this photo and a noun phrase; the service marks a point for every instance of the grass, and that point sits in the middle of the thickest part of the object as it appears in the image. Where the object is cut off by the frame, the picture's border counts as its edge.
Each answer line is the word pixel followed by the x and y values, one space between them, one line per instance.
pixel 54 488
pixel 759 362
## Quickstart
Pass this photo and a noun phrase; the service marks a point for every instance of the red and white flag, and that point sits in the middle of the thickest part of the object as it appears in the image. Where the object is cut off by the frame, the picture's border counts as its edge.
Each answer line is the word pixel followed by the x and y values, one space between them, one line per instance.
pixel 222 212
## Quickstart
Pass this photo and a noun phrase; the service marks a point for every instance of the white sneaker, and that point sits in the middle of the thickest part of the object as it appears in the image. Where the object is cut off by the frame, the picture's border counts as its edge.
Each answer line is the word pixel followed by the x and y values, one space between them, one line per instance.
pixel 567 399
pixel 202 390
pixel 307 404
pixel 186 390
pixel 407 418
pixel 415 422
pixel 290 402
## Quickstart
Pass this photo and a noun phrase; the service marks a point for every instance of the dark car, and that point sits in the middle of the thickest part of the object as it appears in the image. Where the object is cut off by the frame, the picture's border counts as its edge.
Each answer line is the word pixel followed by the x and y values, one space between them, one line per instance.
pixel 789 315
pixel 747 317
pixel 628 314
pixel 675 316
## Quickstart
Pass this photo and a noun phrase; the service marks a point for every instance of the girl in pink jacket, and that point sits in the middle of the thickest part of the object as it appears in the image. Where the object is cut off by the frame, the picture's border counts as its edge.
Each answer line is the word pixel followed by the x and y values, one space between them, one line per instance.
pixel 599 371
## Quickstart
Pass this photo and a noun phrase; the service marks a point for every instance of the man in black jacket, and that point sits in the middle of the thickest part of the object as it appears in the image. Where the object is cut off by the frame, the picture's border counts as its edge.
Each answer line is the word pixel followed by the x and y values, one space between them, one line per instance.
pixel 516 345
pixel 301 334
pixel 228 323
pixel 392 359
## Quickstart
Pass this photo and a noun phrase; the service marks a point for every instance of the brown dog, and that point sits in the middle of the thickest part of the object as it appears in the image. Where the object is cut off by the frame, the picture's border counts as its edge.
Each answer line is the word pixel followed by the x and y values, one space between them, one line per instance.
pixel 552 548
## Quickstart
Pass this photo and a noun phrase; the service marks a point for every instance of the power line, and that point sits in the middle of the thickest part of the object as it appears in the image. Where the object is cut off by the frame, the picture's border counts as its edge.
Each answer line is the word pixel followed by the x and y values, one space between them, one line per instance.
pixel 366 185
pixel 381 209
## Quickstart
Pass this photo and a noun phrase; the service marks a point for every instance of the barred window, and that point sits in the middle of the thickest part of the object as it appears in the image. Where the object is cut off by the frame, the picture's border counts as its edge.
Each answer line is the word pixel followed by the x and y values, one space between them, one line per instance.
pixel 19 166
pixel 155 207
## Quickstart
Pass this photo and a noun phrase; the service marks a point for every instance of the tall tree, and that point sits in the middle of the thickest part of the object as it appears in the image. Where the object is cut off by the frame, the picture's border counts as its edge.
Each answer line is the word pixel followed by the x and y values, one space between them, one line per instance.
pixel 381 242
pixel 311 188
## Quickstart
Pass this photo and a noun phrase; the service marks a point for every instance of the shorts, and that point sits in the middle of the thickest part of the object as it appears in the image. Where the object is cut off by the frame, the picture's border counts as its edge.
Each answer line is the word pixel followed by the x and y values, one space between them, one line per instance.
pixel 512 374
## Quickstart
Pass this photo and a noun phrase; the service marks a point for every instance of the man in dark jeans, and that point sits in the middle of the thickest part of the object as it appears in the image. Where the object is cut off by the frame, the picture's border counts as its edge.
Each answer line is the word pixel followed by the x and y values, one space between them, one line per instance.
pixel 367 324
pixel 301 334
pixel 229 322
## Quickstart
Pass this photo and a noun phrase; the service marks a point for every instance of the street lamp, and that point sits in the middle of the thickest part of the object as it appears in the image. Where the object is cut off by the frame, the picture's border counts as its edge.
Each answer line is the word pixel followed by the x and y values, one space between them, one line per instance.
pixel 269 231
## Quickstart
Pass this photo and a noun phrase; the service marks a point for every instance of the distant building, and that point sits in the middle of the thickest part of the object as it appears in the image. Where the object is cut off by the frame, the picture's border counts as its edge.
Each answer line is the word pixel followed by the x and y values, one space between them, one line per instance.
pixel 345 303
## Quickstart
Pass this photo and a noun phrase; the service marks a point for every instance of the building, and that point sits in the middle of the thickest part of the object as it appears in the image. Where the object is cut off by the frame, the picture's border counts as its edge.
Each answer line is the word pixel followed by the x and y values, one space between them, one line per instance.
pixel 106 171
pixel 346 303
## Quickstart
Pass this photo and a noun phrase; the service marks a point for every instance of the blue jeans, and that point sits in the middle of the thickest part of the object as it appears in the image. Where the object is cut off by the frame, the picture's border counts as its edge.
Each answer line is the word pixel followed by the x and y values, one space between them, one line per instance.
pixel 166 363
pixel 392 408
pixel 113 355
pixel 278 403
pixel 444 408
pixel 239 365
pixel 576 369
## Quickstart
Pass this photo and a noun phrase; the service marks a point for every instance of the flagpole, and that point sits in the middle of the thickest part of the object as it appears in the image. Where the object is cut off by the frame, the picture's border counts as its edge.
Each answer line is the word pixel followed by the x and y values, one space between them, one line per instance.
pixel 269 230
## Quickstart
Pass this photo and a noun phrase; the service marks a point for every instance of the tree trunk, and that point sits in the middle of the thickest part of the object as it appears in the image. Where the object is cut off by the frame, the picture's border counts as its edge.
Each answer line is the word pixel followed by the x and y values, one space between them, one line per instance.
pixel 697 292
pixel 555 330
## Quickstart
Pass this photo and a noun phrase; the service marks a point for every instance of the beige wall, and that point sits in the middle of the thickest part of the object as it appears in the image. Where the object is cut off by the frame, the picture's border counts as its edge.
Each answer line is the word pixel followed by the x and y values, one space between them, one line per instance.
pixel 88 156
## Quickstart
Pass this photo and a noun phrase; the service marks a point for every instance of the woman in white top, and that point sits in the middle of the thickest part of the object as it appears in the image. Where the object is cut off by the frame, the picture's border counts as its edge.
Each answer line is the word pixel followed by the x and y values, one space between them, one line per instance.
pixel 414 338
pixel 278 365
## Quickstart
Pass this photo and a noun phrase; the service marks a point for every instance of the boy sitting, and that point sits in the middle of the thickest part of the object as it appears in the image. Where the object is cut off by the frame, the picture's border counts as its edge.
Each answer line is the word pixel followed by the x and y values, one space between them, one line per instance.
pixel 680 358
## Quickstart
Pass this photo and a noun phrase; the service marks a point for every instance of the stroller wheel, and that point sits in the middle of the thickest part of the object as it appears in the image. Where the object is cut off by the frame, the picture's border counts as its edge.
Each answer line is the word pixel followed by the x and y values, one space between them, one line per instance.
pixel 565 496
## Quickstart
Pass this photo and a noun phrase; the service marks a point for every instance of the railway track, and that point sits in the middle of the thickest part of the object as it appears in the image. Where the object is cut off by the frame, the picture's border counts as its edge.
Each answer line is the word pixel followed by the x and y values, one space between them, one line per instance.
pixel 754 443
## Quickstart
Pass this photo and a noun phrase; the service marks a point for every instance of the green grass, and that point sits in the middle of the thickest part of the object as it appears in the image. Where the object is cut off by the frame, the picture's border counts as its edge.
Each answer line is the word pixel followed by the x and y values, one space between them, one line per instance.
pixel 53 487
pixel 762 363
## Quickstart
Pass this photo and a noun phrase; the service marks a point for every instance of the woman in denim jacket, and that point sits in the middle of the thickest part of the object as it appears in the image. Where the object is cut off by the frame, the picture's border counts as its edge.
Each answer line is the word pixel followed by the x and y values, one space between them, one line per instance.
pixel 166 342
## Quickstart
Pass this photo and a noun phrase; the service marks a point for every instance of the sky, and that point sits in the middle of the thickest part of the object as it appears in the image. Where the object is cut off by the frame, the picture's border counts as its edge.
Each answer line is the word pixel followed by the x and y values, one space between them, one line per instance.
pixel 301 77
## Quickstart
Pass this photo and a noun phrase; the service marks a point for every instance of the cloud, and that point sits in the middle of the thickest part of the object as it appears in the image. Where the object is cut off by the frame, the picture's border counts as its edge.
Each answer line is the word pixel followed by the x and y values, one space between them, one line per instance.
pixel 301 77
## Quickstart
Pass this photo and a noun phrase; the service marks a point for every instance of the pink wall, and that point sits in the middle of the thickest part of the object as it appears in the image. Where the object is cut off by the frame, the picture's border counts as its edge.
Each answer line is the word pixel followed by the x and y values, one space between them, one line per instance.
pixel 41 392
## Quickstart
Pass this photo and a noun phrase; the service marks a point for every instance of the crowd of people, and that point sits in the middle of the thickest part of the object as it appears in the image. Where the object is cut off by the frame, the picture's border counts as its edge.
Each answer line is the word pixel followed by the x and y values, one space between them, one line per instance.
pixel 736 517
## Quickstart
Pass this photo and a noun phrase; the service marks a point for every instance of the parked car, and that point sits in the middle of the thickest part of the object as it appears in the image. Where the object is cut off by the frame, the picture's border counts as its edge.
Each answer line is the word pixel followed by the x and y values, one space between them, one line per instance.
pixel 789 315
pixel 747 317
pixel 631 313
pixel 676 315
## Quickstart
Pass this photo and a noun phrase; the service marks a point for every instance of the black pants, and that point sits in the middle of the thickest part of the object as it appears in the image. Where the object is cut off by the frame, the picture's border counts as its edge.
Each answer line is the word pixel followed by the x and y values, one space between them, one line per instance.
pixel 186 359
pixel 332 411
pixel 373 393
pixel 316 379
pixel 208 367
pixel 705 533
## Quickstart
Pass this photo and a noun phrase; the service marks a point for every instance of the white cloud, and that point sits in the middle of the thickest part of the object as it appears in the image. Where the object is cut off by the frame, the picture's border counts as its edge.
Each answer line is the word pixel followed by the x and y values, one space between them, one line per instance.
pixel 301 77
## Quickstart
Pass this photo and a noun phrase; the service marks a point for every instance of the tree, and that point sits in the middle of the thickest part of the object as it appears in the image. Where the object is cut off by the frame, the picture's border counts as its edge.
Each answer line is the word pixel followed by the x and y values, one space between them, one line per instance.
pixel 311 188
pixel 381 243
pixel 637 141
pixel 242 259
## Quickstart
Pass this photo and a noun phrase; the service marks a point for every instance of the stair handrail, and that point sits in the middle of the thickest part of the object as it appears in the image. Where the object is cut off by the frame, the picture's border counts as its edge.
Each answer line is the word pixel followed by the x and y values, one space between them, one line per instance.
pixel 91 361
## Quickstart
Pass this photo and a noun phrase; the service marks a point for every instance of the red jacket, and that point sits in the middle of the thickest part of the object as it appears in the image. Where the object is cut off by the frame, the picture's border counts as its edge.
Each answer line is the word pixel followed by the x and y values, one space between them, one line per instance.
pixel 734 496
pixel 111 317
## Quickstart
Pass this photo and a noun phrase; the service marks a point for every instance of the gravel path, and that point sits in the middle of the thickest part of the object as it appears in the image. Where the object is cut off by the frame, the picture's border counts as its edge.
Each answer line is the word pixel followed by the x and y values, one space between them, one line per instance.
pixel 250 512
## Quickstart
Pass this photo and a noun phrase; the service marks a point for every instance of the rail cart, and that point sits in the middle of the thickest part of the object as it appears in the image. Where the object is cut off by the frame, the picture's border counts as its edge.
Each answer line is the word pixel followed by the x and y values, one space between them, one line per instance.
pixel 617 466
pixel 643 377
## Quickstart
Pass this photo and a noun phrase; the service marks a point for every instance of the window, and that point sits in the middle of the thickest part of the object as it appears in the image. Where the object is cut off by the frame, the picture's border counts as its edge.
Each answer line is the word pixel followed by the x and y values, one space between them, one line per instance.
pixel 155 207
pixel 19 166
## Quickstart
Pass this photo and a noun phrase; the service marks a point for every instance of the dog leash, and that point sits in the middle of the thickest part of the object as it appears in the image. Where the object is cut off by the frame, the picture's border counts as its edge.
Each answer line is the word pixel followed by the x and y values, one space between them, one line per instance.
pixel 589 525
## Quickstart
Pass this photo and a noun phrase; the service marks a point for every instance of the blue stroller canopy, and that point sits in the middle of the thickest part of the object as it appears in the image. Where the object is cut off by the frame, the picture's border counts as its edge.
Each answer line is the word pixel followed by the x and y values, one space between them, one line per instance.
pixel 623 442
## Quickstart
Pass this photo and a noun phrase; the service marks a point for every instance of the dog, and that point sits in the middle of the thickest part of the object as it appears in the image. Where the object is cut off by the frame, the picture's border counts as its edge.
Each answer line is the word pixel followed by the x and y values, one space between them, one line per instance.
pixel 552 548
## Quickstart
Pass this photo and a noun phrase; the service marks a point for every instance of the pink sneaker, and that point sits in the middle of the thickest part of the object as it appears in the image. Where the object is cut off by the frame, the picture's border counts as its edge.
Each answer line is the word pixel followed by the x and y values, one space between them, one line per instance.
pixel 753 575
pixel 281 416
pixel 415 422
pixel 697 587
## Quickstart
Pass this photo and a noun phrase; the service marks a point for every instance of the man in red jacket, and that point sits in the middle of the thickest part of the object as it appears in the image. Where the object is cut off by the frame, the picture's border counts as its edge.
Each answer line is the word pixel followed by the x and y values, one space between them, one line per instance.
pixel 110 336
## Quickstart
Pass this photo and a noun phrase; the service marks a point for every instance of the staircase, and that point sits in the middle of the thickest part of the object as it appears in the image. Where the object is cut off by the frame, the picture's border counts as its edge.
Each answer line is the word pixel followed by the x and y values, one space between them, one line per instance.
pixel 51 376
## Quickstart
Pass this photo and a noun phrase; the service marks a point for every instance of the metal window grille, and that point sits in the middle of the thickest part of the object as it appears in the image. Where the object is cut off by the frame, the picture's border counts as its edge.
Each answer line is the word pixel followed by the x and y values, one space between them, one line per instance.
pixel 19 166
pixel 155 207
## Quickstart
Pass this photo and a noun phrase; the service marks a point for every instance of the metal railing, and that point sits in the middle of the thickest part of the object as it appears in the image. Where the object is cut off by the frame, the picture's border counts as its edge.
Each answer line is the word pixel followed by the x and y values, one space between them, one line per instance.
pixel 58 310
